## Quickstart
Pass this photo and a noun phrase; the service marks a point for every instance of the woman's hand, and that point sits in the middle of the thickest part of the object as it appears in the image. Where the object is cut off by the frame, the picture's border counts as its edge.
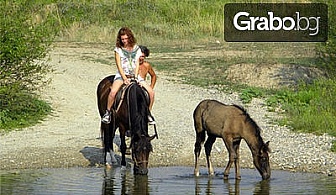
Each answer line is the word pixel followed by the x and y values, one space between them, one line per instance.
pixel 126 81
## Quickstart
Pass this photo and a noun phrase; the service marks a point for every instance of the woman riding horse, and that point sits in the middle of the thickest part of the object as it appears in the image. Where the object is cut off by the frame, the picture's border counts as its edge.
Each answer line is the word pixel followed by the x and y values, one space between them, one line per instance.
pixel 127 55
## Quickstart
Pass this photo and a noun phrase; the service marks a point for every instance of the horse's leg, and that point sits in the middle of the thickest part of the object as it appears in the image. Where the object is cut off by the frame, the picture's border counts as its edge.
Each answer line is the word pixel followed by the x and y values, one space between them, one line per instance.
pixel 109 156
pixel 104 137
pixel 112 129
pixel 229 147
pixel 208 146
pixel 105 155
pixel 236 145
pixel 200 137
pixel 123 146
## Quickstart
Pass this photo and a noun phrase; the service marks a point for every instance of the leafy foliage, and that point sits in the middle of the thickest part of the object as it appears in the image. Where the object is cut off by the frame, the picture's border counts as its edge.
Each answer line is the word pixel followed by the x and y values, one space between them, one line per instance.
pixel 23 47
pixel 25 40
pixel 249 93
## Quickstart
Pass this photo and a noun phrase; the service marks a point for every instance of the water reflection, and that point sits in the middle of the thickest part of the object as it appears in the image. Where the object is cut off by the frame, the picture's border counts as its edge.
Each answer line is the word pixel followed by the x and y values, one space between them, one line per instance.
pixel 128 183
pixel 233 189
pixel 141 184
pixel 262 188
pixel 210 186
pixel 162 180
pixel 109 182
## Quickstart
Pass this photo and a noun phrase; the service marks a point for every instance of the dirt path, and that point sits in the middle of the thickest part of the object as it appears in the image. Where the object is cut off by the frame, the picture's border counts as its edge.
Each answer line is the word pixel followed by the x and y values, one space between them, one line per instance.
pixel 70 136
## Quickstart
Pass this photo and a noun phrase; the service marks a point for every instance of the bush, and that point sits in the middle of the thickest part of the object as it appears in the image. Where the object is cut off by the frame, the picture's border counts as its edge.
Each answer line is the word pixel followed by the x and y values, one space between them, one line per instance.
pixel 25 41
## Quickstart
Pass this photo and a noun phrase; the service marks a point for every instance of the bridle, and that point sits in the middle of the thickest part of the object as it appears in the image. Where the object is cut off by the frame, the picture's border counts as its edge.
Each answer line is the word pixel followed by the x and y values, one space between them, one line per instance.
pixel 136 162
pixel 139 163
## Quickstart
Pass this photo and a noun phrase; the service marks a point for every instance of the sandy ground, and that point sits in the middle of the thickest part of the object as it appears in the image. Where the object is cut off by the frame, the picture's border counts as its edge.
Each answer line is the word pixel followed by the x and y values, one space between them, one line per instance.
pixel 70 135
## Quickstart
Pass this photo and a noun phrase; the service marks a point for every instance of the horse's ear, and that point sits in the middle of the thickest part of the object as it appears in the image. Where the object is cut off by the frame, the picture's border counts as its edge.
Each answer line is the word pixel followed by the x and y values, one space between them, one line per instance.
pixel 264 148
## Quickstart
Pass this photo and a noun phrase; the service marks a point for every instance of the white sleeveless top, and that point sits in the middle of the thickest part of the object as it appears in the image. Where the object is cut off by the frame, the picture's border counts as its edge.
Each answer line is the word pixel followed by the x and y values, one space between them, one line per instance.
pixel 128 60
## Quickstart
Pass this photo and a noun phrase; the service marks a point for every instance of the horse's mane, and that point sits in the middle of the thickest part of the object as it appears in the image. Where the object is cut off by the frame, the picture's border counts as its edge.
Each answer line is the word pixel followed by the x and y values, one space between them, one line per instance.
pixel 138 111
pixel 251 122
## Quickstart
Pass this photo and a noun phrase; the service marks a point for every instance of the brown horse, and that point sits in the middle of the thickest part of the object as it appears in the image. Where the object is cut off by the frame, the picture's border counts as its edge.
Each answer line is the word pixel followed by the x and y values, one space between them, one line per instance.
pixel 129 113
pixel 231 123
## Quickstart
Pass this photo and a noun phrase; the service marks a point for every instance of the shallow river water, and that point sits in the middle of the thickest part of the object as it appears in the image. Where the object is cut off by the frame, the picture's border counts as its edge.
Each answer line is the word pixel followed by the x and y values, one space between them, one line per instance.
pixel 160 180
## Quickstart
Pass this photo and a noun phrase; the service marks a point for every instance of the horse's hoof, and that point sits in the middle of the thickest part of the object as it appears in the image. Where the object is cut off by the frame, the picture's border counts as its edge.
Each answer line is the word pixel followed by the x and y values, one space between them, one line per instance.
pixel 123 168
pixel 238 178
pixel 196 174
pixel 226 177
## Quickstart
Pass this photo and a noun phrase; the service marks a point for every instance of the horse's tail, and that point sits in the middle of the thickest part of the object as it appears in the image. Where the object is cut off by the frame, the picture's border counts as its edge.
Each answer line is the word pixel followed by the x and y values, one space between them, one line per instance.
pixel 103 90
pixel 199 121
pixel 138 110
pixel 106 131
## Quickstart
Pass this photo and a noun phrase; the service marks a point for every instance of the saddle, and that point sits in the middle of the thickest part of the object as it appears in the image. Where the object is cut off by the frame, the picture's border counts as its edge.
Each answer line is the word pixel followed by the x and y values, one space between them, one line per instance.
pixel 120 96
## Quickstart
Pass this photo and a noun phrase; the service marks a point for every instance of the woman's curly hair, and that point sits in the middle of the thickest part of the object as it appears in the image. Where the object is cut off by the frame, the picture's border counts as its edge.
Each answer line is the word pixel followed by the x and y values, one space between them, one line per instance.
pixel 128 32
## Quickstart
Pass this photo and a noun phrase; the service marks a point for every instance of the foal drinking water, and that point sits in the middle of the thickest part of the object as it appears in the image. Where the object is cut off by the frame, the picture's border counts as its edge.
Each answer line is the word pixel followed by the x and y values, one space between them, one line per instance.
pixel 231 123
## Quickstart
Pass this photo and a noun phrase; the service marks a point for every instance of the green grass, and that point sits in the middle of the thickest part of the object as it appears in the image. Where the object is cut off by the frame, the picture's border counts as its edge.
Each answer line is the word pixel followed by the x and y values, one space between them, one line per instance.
pixel 21 110
pixel 311 108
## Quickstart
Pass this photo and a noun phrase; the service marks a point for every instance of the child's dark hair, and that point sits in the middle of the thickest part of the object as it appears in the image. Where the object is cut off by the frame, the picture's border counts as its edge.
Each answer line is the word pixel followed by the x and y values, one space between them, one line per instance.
pixel 144 50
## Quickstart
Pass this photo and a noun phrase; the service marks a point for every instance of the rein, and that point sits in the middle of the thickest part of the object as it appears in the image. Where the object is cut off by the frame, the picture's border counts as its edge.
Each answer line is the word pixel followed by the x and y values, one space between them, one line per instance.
pixel 121 100
pixel 138 163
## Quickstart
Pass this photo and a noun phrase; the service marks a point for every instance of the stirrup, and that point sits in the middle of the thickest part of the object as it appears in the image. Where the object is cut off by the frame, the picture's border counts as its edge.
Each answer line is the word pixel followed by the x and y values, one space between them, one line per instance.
pixel 151 120
pixel 107 117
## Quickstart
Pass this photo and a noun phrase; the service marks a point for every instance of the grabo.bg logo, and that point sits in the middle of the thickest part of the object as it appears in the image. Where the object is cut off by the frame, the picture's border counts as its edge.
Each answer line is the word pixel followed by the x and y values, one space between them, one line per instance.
pixel 276 22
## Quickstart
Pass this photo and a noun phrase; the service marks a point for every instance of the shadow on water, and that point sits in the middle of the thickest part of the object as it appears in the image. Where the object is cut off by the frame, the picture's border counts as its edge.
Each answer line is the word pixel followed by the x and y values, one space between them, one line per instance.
pixel 160 180
pixel 95 156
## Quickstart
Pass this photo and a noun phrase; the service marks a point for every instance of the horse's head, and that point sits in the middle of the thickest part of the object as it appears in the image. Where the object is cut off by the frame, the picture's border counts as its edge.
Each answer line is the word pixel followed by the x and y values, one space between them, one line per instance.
pixel 140 154
pixel 261 162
